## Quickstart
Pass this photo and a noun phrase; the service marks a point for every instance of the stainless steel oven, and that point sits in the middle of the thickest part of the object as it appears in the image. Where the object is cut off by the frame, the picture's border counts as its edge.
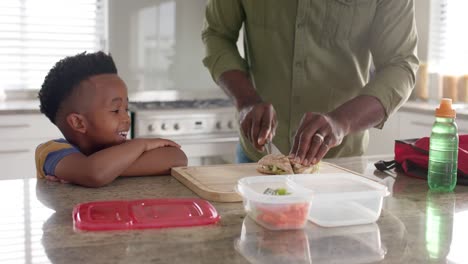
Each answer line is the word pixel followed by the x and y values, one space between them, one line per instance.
pixel 206 128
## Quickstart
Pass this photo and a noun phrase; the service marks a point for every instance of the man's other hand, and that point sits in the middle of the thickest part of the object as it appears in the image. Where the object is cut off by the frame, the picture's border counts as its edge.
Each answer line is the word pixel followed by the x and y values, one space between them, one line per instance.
pixel 317 133
pixel 258 123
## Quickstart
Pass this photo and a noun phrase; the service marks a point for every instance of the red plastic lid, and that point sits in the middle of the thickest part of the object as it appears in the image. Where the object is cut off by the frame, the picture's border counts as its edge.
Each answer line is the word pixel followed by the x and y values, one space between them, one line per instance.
pixel 142 214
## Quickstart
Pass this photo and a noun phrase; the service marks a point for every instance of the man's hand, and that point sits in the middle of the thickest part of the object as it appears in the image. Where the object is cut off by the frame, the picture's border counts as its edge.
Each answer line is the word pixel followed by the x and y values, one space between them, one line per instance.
pixel 258 123
pixel 317 133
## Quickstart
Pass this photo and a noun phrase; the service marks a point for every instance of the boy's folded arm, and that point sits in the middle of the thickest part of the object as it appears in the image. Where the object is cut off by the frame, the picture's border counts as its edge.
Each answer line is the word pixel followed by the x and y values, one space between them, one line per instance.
pixel 157 161
pixel 101 167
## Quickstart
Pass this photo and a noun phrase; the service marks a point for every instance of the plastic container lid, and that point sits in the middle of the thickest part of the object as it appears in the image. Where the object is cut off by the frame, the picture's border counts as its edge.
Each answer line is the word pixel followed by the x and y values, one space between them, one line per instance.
pixel 445 109
pixel 142 214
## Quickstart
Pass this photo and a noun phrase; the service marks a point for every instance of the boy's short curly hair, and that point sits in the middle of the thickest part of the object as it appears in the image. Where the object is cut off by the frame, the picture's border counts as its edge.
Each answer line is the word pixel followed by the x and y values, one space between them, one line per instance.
pixel 67 74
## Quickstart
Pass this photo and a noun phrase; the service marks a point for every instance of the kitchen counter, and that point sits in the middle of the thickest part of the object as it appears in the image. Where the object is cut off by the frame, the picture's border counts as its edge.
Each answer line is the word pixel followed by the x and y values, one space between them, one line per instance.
pixel 429 108
pixel 36 227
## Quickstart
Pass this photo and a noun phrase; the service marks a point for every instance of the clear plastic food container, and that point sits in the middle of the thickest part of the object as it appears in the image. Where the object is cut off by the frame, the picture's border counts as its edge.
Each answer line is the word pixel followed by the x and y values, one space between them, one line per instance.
pixel 313 244
pixel 345 245
pixel 342 199
pixel 260 245
pixel 288 209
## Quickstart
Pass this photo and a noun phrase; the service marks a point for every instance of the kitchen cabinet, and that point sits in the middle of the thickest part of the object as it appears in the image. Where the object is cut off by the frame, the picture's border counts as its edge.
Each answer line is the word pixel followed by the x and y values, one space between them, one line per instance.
pixel 19 136
pixel 415 125
pixel 381 141
pixel 405 125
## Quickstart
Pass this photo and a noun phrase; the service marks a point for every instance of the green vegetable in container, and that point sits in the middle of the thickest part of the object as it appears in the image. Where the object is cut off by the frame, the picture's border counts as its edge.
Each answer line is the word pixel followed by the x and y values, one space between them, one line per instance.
pixel 278 191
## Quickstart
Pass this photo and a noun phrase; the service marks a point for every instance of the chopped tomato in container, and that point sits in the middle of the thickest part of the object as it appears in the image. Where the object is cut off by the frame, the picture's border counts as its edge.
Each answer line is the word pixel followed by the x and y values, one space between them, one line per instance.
pixel 291 216
pixel 274 202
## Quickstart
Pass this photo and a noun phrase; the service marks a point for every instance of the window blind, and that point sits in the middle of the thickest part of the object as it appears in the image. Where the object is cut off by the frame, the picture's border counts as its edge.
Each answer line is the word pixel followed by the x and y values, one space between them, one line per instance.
pixel 448 41
pixel 34 35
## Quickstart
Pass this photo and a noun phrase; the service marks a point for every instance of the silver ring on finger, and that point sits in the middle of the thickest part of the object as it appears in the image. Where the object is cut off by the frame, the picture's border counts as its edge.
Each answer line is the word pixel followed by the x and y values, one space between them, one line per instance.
pixel 320 137
pixel 323 150
pixel 326 142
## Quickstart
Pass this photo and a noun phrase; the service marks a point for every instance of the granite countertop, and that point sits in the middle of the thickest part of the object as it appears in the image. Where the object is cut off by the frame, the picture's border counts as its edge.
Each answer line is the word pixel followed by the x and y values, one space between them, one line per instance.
pixel 415 227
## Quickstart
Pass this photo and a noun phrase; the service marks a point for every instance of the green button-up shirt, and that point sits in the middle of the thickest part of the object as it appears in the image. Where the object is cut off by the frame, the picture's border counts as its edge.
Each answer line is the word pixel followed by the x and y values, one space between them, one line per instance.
pixel 314 55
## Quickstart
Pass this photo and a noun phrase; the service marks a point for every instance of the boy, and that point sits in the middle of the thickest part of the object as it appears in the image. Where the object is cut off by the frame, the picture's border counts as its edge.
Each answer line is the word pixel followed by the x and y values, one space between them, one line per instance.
pixel 86 99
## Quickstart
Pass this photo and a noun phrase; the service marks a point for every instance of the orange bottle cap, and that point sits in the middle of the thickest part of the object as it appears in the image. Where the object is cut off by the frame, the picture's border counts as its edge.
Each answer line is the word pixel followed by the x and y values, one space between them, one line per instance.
pixel 445 109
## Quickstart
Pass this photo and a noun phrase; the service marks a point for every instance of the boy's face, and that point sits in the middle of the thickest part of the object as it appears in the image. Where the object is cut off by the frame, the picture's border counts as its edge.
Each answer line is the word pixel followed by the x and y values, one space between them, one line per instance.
pixel 106 111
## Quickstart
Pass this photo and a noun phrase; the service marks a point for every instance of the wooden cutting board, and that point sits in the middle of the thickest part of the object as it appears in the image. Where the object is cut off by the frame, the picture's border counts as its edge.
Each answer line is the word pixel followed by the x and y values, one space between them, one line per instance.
pixel 217 182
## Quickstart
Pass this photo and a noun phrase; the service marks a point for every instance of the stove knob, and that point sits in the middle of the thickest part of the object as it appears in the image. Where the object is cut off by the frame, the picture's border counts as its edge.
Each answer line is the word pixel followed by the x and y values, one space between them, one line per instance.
pixel 150 128
pixel 176 126
pixel 218 125
pixel 229 125
pixel 163 126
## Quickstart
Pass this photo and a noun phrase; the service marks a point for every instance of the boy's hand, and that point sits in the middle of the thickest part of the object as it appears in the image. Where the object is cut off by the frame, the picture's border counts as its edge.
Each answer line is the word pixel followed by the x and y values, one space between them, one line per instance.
pixel 154 143
pixel 102 167
pixel 55 179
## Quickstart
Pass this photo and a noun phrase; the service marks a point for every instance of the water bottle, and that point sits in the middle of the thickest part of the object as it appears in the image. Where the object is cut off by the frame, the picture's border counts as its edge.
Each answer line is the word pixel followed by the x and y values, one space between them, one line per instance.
pixel 443 149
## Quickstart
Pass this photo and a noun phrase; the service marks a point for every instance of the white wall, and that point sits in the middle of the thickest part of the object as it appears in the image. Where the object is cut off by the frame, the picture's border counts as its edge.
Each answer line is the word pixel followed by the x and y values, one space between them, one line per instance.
pixel 179 64
pixel 381 141
pixel 422 11
pixel 157 44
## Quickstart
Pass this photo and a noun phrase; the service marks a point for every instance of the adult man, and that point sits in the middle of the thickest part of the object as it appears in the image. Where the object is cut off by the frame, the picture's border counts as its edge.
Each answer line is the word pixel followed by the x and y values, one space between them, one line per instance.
pixel 305 76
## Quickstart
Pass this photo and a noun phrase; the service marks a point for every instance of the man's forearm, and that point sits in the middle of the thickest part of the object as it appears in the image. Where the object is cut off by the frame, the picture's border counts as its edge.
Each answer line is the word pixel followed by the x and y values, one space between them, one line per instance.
pixel 238 86
pixel 359 113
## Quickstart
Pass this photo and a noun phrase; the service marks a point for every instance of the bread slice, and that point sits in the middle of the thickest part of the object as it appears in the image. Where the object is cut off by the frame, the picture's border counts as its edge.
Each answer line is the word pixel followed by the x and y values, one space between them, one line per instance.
pixel 301 169
pixel 280 164
pixel 275 164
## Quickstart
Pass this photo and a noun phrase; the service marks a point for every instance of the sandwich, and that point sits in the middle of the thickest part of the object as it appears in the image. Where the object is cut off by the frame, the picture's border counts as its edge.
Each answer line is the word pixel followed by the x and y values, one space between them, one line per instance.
pixel 280 164
pixel 301 169
pixel 275 164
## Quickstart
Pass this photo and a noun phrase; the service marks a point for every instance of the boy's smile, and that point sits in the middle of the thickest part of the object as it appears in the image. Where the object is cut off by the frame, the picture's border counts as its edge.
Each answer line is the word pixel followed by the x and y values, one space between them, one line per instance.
pixel 86 99
pixel 106 115
pixel 123 134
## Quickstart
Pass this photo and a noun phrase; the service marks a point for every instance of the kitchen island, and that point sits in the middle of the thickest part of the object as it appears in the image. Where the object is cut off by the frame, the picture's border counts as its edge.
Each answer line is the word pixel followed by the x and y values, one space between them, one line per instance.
pixel 415 227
